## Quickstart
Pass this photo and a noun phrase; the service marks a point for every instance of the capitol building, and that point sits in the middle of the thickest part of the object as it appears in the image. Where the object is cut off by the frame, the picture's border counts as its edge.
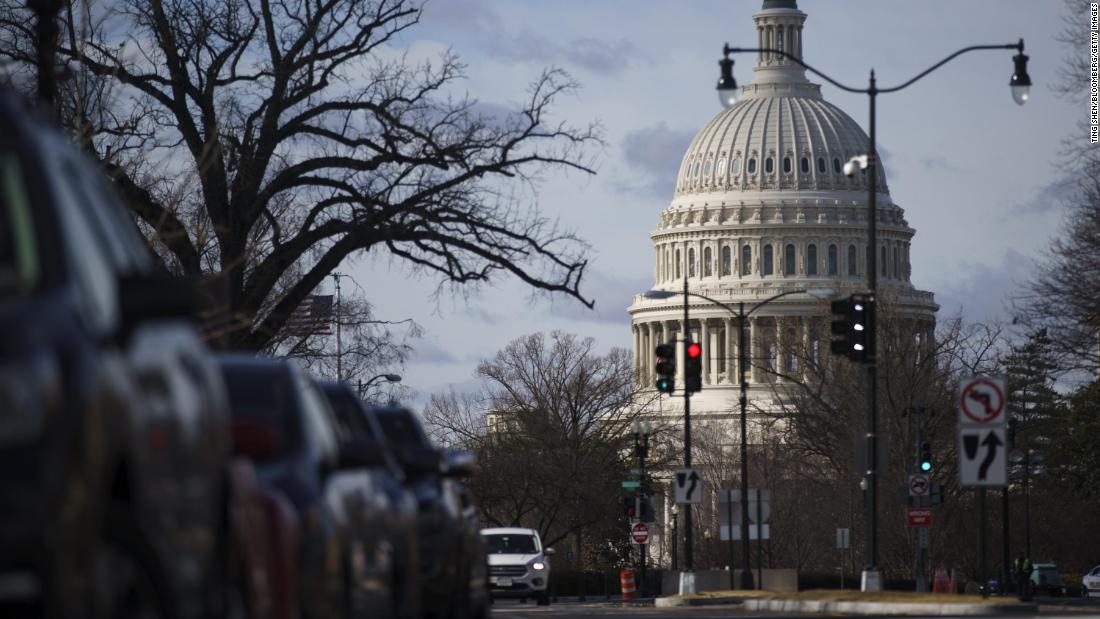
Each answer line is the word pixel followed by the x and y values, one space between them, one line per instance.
pixel 762 207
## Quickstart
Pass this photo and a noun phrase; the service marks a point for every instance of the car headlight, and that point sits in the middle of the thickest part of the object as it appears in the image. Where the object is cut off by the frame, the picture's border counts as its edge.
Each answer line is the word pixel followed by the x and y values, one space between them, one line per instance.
pixel 538 565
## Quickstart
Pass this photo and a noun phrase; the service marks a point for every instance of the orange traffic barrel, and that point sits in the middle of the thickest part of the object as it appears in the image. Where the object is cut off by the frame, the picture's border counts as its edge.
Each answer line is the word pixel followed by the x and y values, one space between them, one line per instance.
pixel 626 581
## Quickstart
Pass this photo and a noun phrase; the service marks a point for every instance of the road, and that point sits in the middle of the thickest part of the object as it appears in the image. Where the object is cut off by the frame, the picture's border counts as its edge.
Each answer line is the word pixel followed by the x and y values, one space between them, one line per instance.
pixel 1052 608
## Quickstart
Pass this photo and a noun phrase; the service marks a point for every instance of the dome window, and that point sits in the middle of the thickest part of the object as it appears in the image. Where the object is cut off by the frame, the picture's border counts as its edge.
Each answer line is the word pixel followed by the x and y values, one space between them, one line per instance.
pixel 804 166
pixel 811 258
pixel 677 264
pixel 720 169
pixel 691 262
pixel 820 165
pixel 735 167
pixel 696 171
pixel 769 261
pixel 788 260
pixel 786 165
pixel 832 260
pixel 836 165
pixel 706 168
pixel 727 261
pixel 752 166
pixel 769 165
pixel 746 260
pixel 852 267
pixel 707 271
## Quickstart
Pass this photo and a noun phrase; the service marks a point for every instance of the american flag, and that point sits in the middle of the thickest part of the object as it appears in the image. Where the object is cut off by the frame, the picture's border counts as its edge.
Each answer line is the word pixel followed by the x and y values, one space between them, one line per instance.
pixel 313 317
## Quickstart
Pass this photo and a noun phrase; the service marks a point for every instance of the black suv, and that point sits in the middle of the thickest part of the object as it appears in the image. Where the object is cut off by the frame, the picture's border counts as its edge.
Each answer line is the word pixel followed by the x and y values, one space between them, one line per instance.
pixel 453 563
pixel 113 435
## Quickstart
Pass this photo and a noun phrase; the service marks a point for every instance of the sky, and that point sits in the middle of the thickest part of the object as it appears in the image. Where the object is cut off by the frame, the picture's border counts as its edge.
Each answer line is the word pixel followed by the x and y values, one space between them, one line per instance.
pixel 977 175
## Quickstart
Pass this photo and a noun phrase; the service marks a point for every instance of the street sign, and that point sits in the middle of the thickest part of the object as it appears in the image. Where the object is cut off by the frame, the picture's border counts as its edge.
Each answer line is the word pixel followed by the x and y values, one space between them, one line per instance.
pixel 982 457
pixel 631 484
pixel 982 401
pixel 688 484
pixel 919 517
pixel 919 485
pixel 842 539
pixel 639 533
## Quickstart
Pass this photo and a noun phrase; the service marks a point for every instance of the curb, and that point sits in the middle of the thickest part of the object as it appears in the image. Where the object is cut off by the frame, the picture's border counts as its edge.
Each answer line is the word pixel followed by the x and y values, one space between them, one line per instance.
pixel 853 608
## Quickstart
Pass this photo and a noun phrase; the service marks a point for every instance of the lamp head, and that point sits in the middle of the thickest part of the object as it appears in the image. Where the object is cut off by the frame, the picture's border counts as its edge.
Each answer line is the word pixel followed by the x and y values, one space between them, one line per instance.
pixel 727 85
pixel 1021 81
pixel 393 378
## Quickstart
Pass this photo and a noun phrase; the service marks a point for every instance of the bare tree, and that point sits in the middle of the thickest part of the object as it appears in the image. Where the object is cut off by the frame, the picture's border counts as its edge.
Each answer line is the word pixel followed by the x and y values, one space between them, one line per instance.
pixel 550 429
pixel 267 141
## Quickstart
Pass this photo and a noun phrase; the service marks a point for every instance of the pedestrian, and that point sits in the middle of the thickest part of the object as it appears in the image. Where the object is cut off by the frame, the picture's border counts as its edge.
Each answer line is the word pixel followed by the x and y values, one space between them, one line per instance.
pixel 1019 575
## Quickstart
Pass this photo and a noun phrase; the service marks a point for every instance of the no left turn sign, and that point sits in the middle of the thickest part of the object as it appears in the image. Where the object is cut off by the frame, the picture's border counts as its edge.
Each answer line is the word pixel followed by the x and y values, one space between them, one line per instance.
pixel 982 401
pixel 919 485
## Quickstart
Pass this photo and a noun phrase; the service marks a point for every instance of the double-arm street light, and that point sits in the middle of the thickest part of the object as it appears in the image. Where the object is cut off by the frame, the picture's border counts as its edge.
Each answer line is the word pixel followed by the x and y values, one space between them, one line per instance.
pixel 643 428
pixel 743 361
pixel 390 378
pixel 1020 84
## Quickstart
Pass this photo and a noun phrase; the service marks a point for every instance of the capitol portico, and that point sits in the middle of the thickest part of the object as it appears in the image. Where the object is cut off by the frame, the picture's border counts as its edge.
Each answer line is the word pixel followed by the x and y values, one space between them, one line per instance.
pixel 761 207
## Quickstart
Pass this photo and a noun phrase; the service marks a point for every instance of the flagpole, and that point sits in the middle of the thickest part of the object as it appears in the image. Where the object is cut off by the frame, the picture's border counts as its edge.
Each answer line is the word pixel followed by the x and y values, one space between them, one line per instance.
pixel 339 348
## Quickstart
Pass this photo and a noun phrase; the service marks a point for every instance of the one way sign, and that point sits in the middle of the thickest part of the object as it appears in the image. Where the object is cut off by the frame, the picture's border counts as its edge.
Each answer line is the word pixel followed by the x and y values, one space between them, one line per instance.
pixel 983 461
pixel 689 486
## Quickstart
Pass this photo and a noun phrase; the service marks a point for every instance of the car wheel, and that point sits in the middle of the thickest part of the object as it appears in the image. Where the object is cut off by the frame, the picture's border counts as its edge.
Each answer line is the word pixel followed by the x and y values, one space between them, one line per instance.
pixel 130 581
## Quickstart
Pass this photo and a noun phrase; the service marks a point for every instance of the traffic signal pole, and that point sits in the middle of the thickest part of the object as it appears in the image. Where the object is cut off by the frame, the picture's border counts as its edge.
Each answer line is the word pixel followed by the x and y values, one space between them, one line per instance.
pixel 687 584
pixel 871 580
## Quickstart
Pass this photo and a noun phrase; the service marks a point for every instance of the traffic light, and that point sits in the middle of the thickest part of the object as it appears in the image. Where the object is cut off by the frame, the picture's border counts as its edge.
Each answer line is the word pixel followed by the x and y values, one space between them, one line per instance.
pixel 628 506
pixel 854 327
pixel 666 368
pixel 693 367
pixel 925 461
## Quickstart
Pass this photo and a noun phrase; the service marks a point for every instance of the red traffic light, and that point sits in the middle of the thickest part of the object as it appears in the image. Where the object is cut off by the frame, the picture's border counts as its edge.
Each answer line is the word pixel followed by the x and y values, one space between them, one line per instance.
pixel 694 350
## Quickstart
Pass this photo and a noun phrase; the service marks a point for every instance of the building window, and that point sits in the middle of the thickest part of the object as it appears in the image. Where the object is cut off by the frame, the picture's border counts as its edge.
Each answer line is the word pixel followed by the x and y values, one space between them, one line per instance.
pixel 769 261
pixel 882 261
pixel 896 264
pixel 852 267
pixel 677 264
pixel 706 262
pixel 752 166
pixel 836 165
pixel 820 165
pixel 788 260
pixel 691 262
pixel 805 166
pixel 706 168
pixel 696 171
pixel 832 260
pixel 746 260
pixel 735 167
pixel 769 165
pixel 786 165
pixel 811 259
pixel 727 261
pixel 720 169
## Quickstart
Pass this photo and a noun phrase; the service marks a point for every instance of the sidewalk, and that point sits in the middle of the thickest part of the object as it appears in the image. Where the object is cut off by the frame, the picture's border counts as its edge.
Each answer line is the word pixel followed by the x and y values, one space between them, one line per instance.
pixel 853 602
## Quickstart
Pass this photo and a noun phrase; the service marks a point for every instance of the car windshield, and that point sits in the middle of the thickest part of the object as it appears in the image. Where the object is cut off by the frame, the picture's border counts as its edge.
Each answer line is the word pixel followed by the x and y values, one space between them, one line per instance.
pixel 264 394
pixel 512 544
pixel 401 428
pixel 19 260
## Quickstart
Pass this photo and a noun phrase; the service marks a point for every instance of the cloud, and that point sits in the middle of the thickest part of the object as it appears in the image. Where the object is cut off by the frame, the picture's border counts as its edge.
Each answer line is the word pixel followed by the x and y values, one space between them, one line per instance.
pixel 613 294
pixel 1049 198
pixel 939 163
pixel 432 353
pixel 490 34
pixel 984 292
pixel 653 156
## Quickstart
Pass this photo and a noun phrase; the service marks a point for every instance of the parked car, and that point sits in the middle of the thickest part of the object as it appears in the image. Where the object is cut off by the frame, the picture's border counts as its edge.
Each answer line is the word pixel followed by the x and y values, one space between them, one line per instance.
pixel 453 565
pixel 358 429
pixel 519 566
pixel 1046 580
pixel 283 421
pixel 1090 583
pixel 113 434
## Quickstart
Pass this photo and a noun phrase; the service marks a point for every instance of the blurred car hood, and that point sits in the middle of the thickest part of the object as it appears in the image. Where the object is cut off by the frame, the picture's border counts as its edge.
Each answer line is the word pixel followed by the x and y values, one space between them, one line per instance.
pixel 508 559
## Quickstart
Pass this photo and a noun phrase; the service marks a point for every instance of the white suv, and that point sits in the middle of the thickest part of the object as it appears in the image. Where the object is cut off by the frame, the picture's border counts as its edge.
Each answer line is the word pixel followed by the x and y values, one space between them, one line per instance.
pixel 519 567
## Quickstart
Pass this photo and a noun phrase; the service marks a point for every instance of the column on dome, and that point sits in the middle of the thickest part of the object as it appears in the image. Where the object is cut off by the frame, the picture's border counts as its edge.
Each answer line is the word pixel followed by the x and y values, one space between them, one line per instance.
pixel 781 351
pixel 799 44
pixel 753 350
pixel 807 350
pixel 715 357
pixel 704 332
pixel 731 357
pixel 643 365
pixel 636 345
pixel 680 355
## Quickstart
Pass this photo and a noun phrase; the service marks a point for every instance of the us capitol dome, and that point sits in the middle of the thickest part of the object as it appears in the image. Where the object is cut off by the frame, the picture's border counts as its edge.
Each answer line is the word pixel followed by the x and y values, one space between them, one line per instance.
pixel 762 207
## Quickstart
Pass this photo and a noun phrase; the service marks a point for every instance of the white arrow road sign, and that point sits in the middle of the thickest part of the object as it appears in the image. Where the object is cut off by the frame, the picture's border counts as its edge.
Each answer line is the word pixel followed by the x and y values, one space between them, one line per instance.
pixel 982 457
pixel 689 486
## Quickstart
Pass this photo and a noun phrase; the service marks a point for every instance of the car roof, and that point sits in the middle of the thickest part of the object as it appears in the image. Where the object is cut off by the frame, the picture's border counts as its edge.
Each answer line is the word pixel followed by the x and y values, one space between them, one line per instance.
pixel 509 531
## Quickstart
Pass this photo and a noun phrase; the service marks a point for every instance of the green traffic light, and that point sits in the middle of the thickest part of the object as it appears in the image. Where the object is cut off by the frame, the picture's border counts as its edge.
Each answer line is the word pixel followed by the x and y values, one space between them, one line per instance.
pixel 926 466
pixel 664 385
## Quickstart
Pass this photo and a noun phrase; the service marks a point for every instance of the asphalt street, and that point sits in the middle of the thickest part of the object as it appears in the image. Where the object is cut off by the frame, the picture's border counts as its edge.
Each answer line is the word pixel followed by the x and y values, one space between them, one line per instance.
pixel 511 609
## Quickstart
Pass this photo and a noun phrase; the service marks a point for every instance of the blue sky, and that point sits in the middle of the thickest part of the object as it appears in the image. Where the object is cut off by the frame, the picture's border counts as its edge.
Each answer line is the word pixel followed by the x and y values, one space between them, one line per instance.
pixel 976 174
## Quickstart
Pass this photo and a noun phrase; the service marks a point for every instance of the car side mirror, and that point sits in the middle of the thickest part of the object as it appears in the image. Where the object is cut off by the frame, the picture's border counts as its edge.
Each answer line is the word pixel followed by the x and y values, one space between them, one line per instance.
pixel 255 440
pixel 361 454
pixel 548 552
pixel 459 463
pixel 149 297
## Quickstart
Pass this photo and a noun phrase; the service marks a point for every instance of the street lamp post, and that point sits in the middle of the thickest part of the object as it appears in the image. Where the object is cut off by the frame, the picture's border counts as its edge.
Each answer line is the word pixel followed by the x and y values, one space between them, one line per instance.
pixel 675 534
pixel 743 361
pixel 390 378
pixel 1020 84
pixel 642 429
pixel 46 32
